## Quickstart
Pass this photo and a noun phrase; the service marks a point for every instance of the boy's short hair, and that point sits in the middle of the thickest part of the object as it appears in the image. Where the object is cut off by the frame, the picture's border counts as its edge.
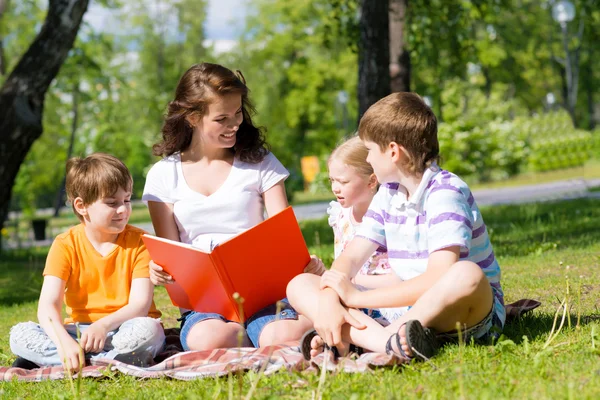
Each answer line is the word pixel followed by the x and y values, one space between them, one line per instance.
pixel 403 118
pixel 94 177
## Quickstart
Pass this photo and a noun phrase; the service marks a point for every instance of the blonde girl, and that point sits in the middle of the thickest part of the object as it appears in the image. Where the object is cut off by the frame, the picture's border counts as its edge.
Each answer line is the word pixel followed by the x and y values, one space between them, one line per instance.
pixel 354 184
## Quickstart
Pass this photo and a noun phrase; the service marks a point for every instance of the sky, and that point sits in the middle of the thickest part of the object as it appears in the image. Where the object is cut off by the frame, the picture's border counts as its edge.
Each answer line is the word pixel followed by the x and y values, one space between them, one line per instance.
pixel 224 22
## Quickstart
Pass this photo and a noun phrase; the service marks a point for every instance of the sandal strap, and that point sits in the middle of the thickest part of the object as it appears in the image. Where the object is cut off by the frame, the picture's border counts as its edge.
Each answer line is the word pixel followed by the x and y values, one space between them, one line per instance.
pixel 390 351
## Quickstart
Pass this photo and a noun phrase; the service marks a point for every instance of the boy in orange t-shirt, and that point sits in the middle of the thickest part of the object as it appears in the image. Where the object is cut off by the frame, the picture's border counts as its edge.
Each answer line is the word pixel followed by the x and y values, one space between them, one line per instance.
pixel 101 268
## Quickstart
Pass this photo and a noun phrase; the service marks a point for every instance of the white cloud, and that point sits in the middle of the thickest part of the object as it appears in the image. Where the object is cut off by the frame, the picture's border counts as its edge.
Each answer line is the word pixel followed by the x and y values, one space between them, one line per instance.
pixel 221 45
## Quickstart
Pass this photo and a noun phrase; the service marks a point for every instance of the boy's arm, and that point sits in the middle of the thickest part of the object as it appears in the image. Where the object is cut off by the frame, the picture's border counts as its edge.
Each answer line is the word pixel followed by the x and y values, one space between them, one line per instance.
pixel 403 293
pixel 376 281
pixel 354 256
pixel 332 315
pixel 140 299
pixel 49 316
pixel 449 222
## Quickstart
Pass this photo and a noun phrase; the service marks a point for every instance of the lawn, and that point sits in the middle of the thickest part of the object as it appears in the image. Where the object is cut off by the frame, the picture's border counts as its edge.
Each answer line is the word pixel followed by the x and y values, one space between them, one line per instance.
pixel 531 242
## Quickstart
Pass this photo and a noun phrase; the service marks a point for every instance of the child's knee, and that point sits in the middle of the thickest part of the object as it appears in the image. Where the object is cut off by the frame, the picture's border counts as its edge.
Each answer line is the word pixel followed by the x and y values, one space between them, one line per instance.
pixel 138 333
pixel 467 273
pixel 30 336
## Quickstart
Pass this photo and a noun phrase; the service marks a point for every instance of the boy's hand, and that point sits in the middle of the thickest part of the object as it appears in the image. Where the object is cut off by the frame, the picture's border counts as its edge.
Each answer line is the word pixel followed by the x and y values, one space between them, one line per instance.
pixel 331 317
pixel 342 285
pixel 92 340
pixel 158 276
pixel 71 355
pixel 315 266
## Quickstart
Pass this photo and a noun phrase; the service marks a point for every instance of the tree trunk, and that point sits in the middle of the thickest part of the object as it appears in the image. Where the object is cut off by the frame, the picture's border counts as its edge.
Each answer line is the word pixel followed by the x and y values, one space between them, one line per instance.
pixel 22 95
pixel 399 55
pixel 373 53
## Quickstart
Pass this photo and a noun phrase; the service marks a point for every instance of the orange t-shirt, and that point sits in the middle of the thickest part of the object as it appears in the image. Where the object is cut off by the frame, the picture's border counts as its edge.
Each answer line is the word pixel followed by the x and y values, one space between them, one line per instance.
pixel 97 286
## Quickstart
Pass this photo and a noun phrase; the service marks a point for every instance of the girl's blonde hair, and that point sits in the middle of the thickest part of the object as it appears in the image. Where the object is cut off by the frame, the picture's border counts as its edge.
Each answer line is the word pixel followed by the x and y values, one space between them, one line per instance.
pixel 353 152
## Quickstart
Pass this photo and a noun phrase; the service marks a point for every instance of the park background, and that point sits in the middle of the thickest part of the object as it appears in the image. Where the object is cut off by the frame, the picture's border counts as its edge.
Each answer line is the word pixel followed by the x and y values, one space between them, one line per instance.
pixel 515 89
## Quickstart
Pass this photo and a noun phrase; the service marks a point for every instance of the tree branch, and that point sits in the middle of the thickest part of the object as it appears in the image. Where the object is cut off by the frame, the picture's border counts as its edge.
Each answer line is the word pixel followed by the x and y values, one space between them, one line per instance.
pixel 42 61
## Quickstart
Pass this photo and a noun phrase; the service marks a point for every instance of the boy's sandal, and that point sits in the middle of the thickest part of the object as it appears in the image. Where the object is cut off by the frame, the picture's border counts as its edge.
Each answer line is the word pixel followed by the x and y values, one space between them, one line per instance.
pixel 305 346
pixel 422 342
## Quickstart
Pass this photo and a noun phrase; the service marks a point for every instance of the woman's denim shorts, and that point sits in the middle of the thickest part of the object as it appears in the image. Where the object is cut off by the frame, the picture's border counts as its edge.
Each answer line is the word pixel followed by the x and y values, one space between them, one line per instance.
pixel 254 325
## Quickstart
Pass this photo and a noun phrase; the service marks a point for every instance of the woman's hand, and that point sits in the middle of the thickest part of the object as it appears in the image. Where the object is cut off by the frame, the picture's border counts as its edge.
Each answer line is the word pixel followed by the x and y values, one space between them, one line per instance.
pixel 315 266
pixel 158 276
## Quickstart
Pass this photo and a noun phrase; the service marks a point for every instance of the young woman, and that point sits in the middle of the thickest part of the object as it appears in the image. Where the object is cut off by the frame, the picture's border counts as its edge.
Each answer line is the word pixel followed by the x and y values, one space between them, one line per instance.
pixel 215 181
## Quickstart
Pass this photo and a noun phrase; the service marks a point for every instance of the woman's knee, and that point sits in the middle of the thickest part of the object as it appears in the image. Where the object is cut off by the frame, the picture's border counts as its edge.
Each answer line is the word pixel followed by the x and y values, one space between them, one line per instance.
pixel 214 333
pixel 282 331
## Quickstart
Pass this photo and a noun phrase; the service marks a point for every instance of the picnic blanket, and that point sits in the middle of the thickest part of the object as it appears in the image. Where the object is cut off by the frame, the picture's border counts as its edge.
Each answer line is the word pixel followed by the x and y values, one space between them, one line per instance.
pixel 174 363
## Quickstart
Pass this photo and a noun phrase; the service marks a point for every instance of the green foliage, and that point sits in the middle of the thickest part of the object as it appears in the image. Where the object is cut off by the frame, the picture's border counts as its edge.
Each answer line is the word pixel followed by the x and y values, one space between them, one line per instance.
pixel 487 65
pixel 120 94
pixel 555 144
pixel 486 138
pixel 307 65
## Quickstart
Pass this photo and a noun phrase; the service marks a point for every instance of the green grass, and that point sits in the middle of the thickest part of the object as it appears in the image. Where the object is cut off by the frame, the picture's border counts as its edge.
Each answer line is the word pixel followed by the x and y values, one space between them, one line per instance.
pixel 309 197
pixel 530 242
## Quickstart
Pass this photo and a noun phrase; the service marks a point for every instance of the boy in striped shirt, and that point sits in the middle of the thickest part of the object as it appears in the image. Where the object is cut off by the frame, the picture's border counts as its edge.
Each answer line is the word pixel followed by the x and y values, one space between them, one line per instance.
pixel 437 243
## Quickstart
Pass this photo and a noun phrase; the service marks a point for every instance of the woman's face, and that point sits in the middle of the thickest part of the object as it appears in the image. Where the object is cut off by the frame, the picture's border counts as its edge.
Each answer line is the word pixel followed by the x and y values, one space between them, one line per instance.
pixel 218 127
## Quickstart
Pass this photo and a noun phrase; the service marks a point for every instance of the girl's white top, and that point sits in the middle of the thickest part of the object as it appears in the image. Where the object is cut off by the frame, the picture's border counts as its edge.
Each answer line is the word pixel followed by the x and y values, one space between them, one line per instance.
pixel 205 221
pixel 344 230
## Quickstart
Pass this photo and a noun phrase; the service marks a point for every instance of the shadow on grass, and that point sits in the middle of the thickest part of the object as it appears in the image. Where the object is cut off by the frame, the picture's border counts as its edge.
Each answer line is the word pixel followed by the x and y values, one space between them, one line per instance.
pixel 21 276
pixel 538 325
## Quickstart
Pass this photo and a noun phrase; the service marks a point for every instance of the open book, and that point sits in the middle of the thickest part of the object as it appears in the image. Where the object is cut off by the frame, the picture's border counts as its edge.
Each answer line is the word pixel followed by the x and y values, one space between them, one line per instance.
pixel 258 264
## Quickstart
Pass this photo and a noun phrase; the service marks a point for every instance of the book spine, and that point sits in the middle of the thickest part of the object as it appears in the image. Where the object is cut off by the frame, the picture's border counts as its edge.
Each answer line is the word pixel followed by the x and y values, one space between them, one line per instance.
pixel 226 281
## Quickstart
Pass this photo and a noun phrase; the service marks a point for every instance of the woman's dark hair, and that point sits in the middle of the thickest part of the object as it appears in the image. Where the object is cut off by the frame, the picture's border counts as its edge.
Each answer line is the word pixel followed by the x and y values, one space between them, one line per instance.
pixel 196 89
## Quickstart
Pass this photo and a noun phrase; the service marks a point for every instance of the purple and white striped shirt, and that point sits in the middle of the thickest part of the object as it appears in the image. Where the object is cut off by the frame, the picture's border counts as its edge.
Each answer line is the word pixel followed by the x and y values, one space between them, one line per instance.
pixel 441 213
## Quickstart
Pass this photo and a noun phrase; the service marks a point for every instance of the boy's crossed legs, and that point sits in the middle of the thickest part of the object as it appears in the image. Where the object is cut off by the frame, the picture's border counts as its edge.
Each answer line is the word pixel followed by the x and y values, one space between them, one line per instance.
pixel 463 295
pixel 135 338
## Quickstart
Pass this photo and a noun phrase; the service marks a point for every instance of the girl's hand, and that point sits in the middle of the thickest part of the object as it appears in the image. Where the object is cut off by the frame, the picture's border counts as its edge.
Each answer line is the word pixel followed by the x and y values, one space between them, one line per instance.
pixel 341 284
pixel 315 266
pixel 157 276
pixel 92 340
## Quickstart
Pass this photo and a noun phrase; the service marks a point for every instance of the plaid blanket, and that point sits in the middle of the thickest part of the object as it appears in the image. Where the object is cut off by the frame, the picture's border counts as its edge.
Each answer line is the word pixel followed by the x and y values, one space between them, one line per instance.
pixel 174 363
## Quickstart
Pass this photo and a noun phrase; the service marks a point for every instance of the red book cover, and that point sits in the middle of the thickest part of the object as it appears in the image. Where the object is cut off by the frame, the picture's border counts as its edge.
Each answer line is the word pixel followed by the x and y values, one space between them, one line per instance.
pixel 258 264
